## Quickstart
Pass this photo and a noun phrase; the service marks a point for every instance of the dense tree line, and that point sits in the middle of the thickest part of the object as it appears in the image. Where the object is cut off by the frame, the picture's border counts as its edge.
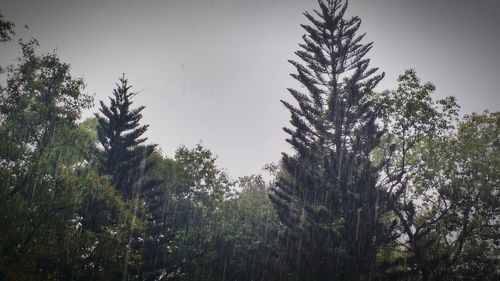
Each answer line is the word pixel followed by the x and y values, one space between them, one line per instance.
pixel 390 185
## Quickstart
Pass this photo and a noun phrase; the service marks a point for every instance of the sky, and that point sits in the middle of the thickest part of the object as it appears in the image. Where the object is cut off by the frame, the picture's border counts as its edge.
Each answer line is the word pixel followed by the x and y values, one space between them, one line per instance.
pixel 215 70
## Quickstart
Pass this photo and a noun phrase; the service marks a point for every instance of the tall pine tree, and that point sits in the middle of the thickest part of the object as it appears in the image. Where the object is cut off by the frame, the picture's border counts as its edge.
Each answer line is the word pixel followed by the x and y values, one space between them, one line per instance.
pixel 123 155
pixel 125 158
pixel 326 195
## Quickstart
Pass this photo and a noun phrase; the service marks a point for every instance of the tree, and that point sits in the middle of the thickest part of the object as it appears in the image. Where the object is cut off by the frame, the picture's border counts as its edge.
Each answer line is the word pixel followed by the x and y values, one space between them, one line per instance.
pixel 326 195
pixel 6 32
pixel 440 184
pixel 470 232
pixel 203 229
pixel 123 156
pixel 413 121
pixel 158 232
pixel 248 233
pixel 6 29
pixel 200 191
pixel 449 210
pixel 40 101
pixel 50 193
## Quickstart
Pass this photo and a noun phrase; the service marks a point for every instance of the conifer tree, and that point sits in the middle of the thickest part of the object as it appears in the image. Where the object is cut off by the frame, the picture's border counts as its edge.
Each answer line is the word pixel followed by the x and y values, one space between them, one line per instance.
pixel 125 158
pixel 326 194
pixel 124 155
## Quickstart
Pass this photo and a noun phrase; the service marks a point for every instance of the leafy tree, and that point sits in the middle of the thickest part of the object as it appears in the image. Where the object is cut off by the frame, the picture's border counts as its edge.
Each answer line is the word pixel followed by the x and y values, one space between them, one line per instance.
pixel 237 236
pixel 204 187
pixel 46 182
pixel 40 101
pixel 248 233
pixel 439 188
pixel 464 173
pixel 199 176
pixel 231 241
pixel 183 227
pixel 6 32
pixel 161 218
pixel 451 211
pixel 327 196
pixel 412 118
pixel 6 29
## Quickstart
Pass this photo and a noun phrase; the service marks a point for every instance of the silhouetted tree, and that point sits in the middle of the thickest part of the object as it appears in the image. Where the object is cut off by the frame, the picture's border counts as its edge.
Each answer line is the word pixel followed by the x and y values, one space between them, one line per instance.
pixel 120 134
pixel 326 195
pixel 124 158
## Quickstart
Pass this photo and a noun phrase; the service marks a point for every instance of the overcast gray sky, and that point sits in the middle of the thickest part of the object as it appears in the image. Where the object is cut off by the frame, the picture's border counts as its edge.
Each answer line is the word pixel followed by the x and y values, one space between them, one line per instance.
pixel 215 70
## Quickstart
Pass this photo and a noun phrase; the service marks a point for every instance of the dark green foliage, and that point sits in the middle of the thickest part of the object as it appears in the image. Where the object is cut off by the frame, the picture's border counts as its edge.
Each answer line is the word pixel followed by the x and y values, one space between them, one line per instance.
pixel 194 215
pixel 48 186
pixel 249 230
pixel 245 229
pixel 119 133
pixel 326 196
pixel 457 230
pixel 6 29
pixel 6 32
pixel 40 103
pixel 205 230
pixel 125 159
pixel 160 218
pixel 440 185
pixel 413 118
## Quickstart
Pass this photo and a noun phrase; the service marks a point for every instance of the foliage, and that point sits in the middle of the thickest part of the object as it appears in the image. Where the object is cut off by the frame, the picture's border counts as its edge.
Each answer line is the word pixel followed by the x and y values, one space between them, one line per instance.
pixel 60 219
pixel 327 197
pixel 6 32
pixel 205 227
pixel 123 156
pixel 200 190
pixel 456 204
pixel 440 188
pixel 6 29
